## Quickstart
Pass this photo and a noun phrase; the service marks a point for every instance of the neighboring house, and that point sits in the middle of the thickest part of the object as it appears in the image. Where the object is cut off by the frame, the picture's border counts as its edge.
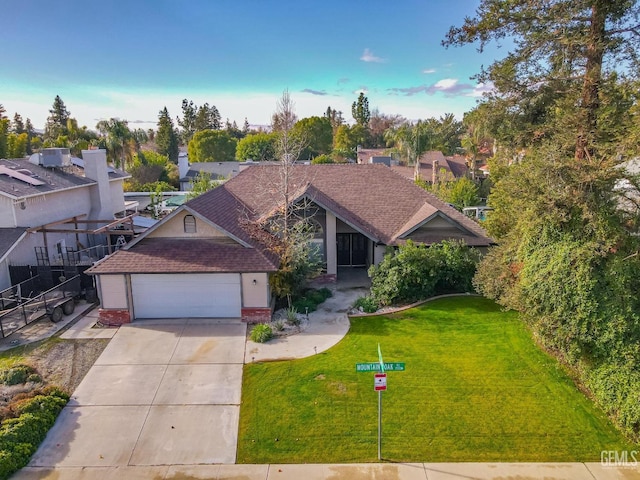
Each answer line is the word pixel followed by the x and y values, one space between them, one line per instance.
pixel 375 155
pixel 218 170
pixel 48 188
pixel 435 167
pixel 206 258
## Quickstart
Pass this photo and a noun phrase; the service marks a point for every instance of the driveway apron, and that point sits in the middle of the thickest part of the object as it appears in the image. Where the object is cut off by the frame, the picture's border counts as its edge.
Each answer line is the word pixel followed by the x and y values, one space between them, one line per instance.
pixel 162 393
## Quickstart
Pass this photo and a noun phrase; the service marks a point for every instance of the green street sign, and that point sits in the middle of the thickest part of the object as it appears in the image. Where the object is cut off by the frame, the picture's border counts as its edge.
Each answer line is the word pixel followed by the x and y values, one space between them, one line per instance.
pixel 375 367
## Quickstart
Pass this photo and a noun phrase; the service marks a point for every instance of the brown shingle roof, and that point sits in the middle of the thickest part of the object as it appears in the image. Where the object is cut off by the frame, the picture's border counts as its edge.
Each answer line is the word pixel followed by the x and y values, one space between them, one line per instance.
pixel 454 166
pixel 172 255
pixel 374 199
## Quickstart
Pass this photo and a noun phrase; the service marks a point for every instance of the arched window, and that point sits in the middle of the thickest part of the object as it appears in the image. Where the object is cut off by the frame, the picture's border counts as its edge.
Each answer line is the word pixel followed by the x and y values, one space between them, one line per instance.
pixel 189 224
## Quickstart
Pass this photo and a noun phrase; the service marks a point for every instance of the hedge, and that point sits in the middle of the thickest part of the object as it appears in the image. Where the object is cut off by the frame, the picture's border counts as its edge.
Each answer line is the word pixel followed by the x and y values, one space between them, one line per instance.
pixel 21 436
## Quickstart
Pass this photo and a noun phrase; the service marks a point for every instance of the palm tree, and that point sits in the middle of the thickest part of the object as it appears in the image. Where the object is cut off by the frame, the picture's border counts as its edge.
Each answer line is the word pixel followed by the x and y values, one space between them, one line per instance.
pixel 409 140
pixel 117 133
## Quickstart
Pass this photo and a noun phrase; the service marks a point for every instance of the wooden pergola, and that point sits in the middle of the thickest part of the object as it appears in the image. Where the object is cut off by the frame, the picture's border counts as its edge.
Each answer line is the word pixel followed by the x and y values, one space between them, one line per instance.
pixel 107 227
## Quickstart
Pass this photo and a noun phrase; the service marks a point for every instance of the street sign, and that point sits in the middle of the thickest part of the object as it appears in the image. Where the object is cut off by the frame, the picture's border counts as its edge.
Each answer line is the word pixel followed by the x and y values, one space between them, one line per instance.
pixel 380 382
pixel 375 367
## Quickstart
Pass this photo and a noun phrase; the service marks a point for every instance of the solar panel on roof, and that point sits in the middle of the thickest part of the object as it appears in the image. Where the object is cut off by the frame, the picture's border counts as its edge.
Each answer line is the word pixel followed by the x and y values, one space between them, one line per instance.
pixel 20 176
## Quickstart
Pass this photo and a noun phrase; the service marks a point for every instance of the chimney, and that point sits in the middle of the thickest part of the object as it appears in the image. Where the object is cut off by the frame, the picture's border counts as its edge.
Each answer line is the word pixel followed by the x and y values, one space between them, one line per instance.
pixel 434 172
pixel 95 168
pixel 183 164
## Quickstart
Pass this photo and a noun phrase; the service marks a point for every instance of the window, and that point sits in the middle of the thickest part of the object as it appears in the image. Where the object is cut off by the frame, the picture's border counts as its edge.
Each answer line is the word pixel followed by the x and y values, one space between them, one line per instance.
pixel 189 224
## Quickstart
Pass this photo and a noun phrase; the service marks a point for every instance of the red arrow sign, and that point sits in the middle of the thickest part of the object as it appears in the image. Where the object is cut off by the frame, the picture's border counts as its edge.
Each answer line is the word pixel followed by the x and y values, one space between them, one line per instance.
pixel 380 382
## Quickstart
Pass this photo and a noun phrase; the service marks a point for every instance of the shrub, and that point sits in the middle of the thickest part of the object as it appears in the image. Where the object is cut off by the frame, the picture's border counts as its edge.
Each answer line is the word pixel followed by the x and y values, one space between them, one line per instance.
pixel 34 378
pixel 21 436
pixel 310 299
pixel 415 272
pixel 616 389
pixel 292 316
pixel 278 325
pixel 261 333
pixel 367 304
pixel 16 374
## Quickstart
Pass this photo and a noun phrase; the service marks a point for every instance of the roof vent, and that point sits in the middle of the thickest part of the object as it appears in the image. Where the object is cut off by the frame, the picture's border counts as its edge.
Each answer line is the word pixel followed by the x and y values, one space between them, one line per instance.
pixel 52 157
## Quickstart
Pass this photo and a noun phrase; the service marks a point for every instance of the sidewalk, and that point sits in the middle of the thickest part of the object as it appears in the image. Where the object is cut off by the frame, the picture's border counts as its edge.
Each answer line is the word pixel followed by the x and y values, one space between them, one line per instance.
pixel 356 471
pixel 326 327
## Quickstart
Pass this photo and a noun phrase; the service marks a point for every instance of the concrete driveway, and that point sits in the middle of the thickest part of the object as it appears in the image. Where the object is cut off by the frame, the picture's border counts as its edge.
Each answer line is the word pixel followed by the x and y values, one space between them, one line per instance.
pixel 162 393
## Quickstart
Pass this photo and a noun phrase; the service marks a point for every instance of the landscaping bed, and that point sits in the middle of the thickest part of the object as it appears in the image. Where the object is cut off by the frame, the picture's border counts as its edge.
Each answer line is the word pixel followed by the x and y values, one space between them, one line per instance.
pixel 35 383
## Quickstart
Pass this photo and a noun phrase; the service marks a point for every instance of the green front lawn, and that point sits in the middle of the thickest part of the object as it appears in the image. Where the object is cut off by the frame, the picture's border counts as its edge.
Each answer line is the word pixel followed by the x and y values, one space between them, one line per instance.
pixel 476 388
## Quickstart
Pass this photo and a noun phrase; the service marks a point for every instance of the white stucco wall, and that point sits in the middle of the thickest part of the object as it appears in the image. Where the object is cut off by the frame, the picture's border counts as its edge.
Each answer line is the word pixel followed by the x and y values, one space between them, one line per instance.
pixel 174 227
pixel 258 295
pixel 117 195
pixel 378 253
pixel 7 217
pixel 24 252
pixel 53 206
pixel 112 290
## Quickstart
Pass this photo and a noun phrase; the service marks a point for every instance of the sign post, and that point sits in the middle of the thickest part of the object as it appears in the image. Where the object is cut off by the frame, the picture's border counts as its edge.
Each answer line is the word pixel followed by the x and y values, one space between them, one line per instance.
pixel 380 385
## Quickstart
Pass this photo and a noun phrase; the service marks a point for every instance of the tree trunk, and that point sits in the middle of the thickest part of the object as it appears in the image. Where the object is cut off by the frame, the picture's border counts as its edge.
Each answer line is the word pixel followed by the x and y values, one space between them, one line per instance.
pixel 591 87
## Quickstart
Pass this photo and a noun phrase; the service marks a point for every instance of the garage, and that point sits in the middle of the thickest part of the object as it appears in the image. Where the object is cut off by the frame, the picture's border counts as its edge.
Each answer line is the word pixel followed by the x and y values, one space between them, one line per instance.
pixel 186 295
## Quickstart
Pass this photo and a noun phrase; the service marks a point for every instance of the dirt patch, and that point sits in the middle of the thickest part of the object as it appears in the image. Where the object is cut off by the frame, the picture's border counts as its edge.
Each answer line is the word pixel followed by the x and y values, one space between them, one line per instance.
pixel 63 363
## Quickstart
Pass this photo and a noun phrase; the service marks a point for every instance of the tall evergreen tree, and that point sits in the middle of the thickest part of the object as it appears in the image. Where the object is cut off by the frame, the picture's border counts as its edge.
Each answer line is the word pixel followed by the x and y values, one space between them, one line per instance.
pixel 188 122
pixel 207 118
pixel 18 125
pixel 31 133
pixel 57 120
pixel 563 53
pixel 4 135
pixel 360 110
pixel 166 137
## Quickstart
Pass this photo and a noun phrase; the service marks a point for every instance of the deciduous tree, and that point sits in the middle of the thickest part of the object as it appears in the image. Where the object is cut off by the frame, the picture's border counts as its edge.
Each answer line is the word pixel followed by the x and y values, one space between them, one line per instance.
pixel 212 146
pixel 318 134
pixel 258 147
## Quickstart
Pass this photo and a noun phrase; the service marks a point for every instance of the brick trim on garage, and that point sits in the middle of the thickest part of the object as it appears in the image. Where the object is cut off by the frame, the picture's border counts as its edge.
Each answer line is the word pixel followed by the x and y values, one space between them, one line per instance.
pixel 113 317
pixel 256 315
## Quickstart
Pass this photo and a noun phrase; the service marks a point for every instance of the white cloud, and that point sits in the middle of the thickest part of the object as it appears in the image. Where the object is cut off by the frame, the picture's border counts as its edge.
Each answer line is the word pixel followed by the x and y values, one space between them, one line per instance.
pixel 368 56
pixel 429 70
pixel 445 84
pixel 481 88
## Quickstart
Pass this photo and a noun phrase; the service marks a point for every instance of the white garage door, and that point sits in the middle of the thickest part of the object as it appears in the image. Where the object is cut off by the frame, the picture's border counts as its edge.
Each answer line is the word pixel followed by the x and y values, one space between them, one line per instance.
pixel 175 296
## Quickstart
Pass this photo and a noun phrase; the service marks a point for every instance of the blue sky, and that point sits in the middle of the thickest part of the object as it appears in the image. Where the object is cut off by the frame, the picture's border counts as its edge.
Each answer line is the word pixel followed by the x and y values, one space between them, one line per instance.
pixel 128 59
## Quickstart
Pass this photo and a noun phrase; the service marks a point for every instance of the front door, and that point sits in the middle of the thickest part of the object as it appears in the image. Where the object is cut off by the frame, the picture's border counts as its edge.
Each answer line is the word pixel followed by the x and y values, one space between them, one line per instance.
pixel 358 250
pixel 352 249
